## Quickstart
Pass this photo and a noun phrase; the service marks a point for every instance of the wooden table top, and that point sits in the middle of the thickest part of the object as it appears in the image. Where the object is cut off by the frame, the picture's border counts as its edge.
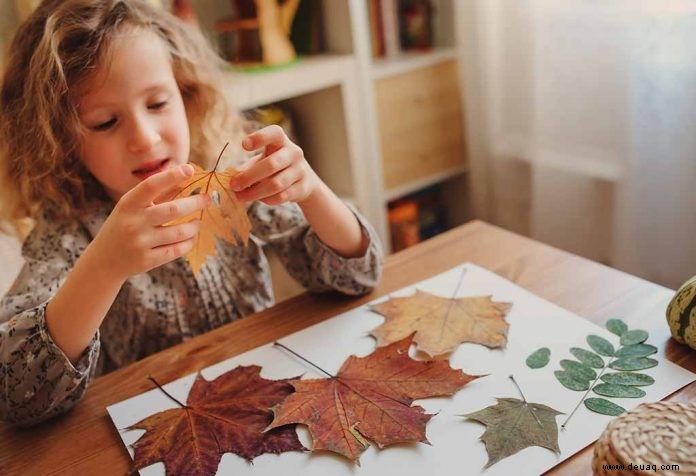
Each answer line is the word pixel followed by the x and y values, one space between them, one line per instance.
pixel 85 441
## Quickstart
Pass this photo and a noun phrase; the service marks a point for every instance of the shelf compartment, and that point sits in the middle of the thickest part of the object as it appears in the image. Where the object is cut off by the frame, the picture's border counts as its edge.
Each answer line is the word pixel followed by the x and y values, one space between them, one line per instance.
pixel 421 129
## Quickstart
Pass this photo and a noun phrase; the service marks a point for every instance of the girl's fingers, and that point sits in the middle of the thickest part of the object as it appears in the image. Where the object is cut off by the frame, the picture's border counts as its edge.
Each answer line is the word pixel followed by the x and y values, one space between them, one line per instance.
pixel 273 136
pixel 168 235
pixel 148 190
pixel 262 169
pixel 165 254
pixel 273 185
pixel 291 194
pixel 181 207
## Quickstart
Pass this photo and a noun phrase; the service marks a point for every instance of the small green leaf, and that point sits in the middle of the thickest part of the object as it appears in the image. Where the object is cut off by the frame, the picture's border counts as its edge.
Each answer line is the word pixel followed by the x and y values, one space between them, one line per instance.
pixel 600 345
pixel 539 358
pixel 569 381
pixel 603 406
pixel 633 363
pixel 636 336
pixel 628 378
pixel 587 357
pixel 636 350
pixel 615 390
pixel 578 370
pixel 617 326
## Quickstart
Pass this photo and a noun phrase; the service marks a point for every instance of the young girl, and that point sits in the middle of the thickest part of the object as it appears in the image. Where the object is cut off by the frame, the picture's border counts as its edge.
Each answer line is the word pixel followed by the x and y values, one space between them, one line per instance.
pixel 102 105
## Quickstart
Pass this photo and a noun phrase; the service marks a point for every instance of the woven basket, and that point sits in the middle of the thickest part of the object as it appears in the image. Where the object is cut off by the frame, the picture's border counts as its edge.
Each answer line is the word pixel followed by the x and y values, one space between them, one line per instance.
pixel 654 434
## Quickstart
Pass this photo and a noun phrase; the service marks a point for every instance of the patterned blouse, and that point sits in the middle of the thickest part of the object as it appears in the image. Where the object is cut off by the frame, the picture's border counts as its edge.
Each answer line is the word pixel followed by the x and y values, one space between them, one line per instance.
pixel 157 309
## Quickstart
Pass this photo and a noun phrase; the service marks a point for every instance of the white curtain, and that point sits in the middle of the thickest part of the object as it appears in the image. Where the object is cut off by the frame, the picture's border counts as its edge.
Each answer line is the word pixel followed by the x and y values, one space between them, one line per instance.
pixel 582 126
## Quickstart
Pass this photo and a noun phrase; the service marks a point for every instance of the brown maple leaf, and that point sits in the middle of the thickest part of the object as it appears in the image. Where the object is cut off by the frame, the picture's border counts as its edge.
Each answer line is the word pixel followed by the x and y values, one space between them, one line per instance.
pixel 225 217
pixel 441 324
pixel 369 399
pixel 221 416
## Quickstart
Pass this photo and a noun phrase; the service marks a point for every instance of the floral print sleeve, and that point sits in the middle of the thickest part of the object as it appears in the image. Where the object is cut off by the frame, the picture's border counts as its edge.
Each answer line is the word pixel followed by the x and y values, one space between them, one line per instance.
pixel 307 259
pixel 37 380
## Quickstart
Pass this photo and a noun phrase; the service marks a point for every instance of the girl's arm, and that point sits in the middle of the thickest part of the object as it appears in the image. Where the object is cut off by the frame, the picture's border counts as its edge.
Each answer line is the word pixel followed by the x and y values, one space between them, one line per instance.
pixel 333 222
pixel 131 241
pixel 283 175
pixel 80 305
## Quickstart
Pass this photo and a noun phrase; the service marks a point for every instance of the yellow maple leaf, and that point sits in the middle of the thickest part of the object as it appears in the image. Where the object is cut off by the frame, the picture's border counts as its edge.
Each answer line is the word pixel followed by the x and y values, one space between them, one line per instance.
pixel 225 216
pixel 441 324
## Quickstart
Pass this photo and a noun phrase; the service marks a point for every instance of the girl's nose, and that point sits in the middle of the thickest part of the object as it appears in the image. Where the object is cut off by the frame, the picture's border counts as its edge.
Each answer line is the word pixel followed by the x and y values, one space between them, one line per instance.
pixel 144 134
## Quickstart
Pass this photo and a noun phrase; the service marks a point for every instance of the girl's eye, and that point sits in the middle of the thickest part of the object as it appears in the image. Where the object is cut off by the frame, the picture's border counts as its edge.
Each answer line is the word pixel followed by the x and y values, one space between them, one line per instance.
pixel 104 125
pixel 158 105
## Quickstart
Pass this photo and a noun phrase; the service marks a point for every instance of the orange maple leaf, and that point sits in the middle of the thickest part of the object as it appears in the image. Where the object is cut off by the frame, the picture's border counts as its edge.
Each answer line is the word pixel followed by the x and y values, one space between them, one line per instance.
pixel 225 415
pixel 369 399
pixel 441 324
pixel 225 217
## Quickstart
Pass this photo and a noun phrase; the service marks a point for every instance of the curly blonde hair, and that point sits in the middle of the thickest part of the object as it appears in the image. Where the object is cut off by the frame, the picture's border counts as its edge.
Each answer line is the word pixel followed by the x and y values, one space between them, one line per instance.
pixel 51 53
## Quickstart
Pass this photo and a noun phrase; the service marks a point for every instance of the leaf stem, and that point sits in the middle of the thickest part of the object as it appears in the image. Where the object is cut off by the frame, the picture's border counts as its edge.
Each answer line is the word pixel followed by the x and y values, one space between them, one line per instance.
pixel 299 356
pixel 518 388
pixel 220 156
pixel 165 392
pixel 531 410
pixel 461 279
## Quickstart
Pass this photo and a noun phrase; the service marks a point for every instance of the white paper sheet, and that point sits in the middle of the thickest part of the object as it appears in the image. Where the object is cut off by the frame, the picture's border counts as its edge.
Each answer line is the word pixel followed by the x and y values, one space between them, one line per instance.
pixel 456 448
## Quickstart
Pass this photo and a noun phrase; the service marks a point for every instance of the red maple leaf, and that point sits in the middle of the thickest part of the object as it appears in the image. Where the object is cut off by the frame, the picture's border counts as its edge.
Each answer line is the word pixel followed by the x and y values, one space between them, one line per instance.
pixel 221 416
pixel 369 399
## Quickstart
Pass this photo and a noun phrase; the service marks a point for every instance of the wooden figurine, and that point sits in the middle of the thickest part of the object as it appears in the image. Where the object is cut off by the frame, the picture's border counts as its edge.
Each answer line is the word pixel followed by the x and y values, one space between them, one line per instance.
pixel 261 32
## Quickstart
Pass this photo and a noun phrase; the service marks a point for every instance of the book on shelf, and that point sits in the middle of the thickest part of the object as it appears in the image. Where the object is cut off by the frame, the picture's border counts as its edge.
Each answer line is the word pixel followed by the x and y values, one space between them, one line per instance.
pixel 415 24
pixel 374 9
pixel 307 35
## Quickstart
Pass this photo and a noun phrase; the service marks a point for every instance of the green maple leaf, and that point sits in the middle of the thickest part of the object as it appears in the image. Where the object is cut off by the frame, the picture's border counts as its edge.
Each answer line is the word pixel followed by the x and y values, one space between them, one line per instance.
pixel 513 425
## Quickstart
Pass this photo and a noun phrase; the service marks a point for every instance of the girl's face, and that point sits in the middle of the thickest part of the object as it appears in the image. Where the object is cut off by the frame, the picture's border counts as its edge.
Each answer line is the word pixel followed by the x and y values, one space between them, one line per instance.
pixel 133 114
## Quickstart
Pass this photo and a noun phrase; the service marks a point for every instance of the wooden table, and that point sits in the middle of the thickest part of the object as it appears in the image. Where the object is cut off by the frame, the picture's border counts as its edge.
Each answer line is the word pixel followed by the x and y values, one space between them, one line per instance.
pixel 85 441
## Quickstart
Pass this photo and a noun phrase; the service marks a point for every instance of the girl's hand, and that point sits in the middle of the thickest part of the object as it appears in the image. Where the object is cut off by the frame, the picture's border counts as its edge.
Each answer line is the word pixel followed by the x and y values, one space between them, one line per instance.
pixel 280 175
pixel 133 239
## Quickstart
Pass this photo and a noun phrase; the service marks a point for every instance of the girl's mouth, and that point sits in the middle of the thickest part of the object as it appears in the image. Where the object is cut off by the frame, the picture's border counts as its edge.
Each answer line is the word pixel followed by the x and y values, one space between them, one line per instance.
pixel 150 168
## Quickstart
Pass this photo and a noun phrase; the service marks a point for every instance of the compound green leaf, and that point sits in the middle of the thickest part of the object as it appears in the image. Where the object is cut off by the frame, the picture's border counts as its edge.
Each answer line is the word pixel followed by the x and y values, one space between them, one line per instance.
pixel 603 406
pixel 587 357
pixel 578 370
pixel 619 391
pixel 571 382
pixel 628 378
pixel 539 358
pixel 636 336
pixel 636 350
pixel 633 363
pixel 617 326
pixel 600 345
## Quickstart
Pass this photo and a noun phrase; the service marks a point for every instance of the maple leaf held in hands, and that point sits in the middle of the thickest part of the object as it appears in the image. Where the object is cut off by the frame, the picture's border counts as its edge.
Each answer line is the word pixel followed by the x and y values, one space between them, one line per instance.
pixel 225 216
pixel 369 399
pixel 441 324
pixel 221 416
